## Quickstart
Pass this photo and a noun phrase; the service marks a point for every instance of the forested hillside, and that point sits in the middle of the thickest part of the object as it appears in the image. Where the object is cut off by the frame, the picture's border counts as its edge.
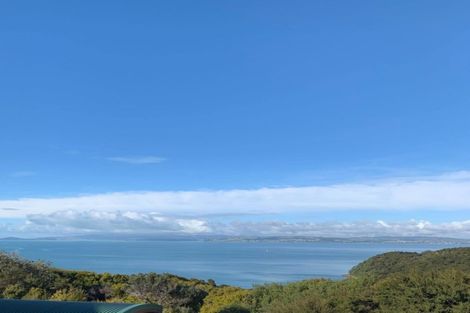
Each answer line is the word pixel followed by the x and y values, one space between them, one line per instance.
pixel 392 282
pixel 396 262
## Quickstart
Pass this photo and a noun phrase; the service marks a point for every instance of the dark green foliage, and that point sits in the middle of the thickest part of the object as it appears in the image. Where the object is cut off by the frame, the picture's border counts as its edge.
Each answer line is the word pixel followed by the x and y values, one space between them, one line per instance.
pixel 433 291
pixel 165 290
pixel 364 305
pixel 234 309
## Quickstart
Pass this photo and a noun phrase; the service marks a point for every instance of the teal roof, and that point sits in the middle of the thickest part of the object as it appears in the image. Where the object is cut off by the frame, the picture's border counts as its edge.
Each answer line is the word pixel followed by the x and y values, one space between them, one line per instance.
pixel 27 306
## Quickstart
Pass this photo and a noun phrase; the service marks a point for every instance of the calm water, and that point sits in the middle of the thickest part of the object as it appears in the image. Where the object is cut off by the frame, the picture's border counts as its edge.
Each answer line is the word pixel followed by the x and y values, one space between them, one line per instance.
pixel 235 263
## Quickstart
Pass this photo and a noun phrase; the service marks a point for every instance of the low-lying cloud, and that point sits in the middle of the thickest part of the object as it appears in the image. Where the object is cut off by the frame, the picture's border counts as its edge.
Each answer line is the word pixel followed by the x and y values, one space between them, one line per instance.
pixel 73 222
pixel 111 222
pixel 219 211
pixel 445 192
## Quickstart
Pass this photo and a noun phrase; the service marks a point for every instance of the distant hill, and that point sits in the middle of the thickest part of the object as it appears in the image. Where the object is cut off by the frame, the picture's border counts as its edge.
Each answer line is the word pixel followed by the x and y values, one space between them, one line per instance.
pixel 384 239
pixel 224 238
pixel 400 262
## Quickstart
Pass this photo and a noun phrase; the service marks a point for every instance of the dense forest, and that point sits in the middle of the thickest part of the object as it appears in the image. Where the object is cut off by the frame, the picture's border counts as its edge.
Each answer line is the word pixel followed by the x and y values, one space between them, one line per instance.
pixel 392 282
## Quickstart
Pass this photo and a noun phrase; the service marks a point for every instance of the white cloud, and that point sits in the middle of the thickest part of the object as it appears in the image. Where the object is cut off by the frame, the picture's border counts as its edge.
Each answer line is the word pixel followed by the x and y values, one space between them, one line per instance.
pixel 379 228
pixel 137 159
pixel 384 224
pixel 459 229
pixel 131 222
pixel 111 222
pixel 450 191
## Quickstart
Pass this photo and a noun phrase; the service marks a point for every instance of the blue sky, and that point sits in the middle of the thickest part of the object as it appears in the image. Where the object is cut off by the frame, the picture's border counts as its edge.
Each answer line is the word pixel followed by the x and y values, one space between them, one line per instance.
pixel 120 97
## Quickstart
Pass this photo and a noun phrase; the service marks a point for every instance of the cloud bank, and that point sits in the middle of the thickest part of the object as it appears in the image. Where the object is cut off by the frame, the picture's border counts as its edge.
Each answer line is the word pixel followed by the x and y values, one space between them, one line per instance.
pixel 216 211
pixel 89 222
pixel 445 192
pixel 111 222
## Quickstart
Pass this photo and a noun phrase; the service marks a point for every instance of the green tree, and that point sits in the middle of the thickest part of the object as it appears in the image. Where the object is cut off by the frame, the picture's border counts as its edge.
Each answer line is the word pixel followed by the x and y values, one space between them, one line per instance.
pixel 234 308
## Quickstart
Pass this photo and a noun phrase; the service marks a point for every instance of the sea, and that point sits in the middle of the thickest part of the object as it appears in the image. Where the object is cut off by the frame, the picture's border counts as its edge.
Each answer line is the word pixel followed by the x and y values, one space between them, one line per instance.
pixel 242 264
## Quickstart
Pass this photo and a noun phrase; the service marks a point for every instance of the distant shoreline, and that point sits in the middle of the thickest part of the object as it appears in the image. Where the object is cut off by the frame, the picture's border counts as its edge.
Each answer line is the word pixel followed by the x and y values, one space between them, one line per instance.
pixel 228 239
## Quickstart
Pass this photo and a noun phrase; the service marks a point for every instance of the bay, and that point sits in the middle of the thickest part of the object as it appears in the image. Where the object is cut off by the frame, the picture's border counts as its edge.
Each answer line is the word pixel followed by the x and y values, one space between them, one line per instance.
pixel 234 263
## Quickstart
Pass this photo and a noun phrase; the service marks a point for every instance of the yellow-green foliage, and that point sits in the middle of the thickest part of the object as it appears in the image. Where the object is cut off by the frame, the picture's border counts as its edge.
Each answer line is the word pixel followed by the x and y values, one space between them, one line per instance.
pixel 219 298
pixel 34 294
pixel 72 294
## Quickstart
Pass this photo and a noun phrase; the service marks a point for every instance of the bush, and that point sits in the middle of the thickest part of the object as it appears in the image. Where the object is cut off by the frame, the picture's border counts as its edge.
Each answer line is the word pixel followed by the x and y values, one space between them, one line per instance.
pixel 234 309
pixel 72 294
